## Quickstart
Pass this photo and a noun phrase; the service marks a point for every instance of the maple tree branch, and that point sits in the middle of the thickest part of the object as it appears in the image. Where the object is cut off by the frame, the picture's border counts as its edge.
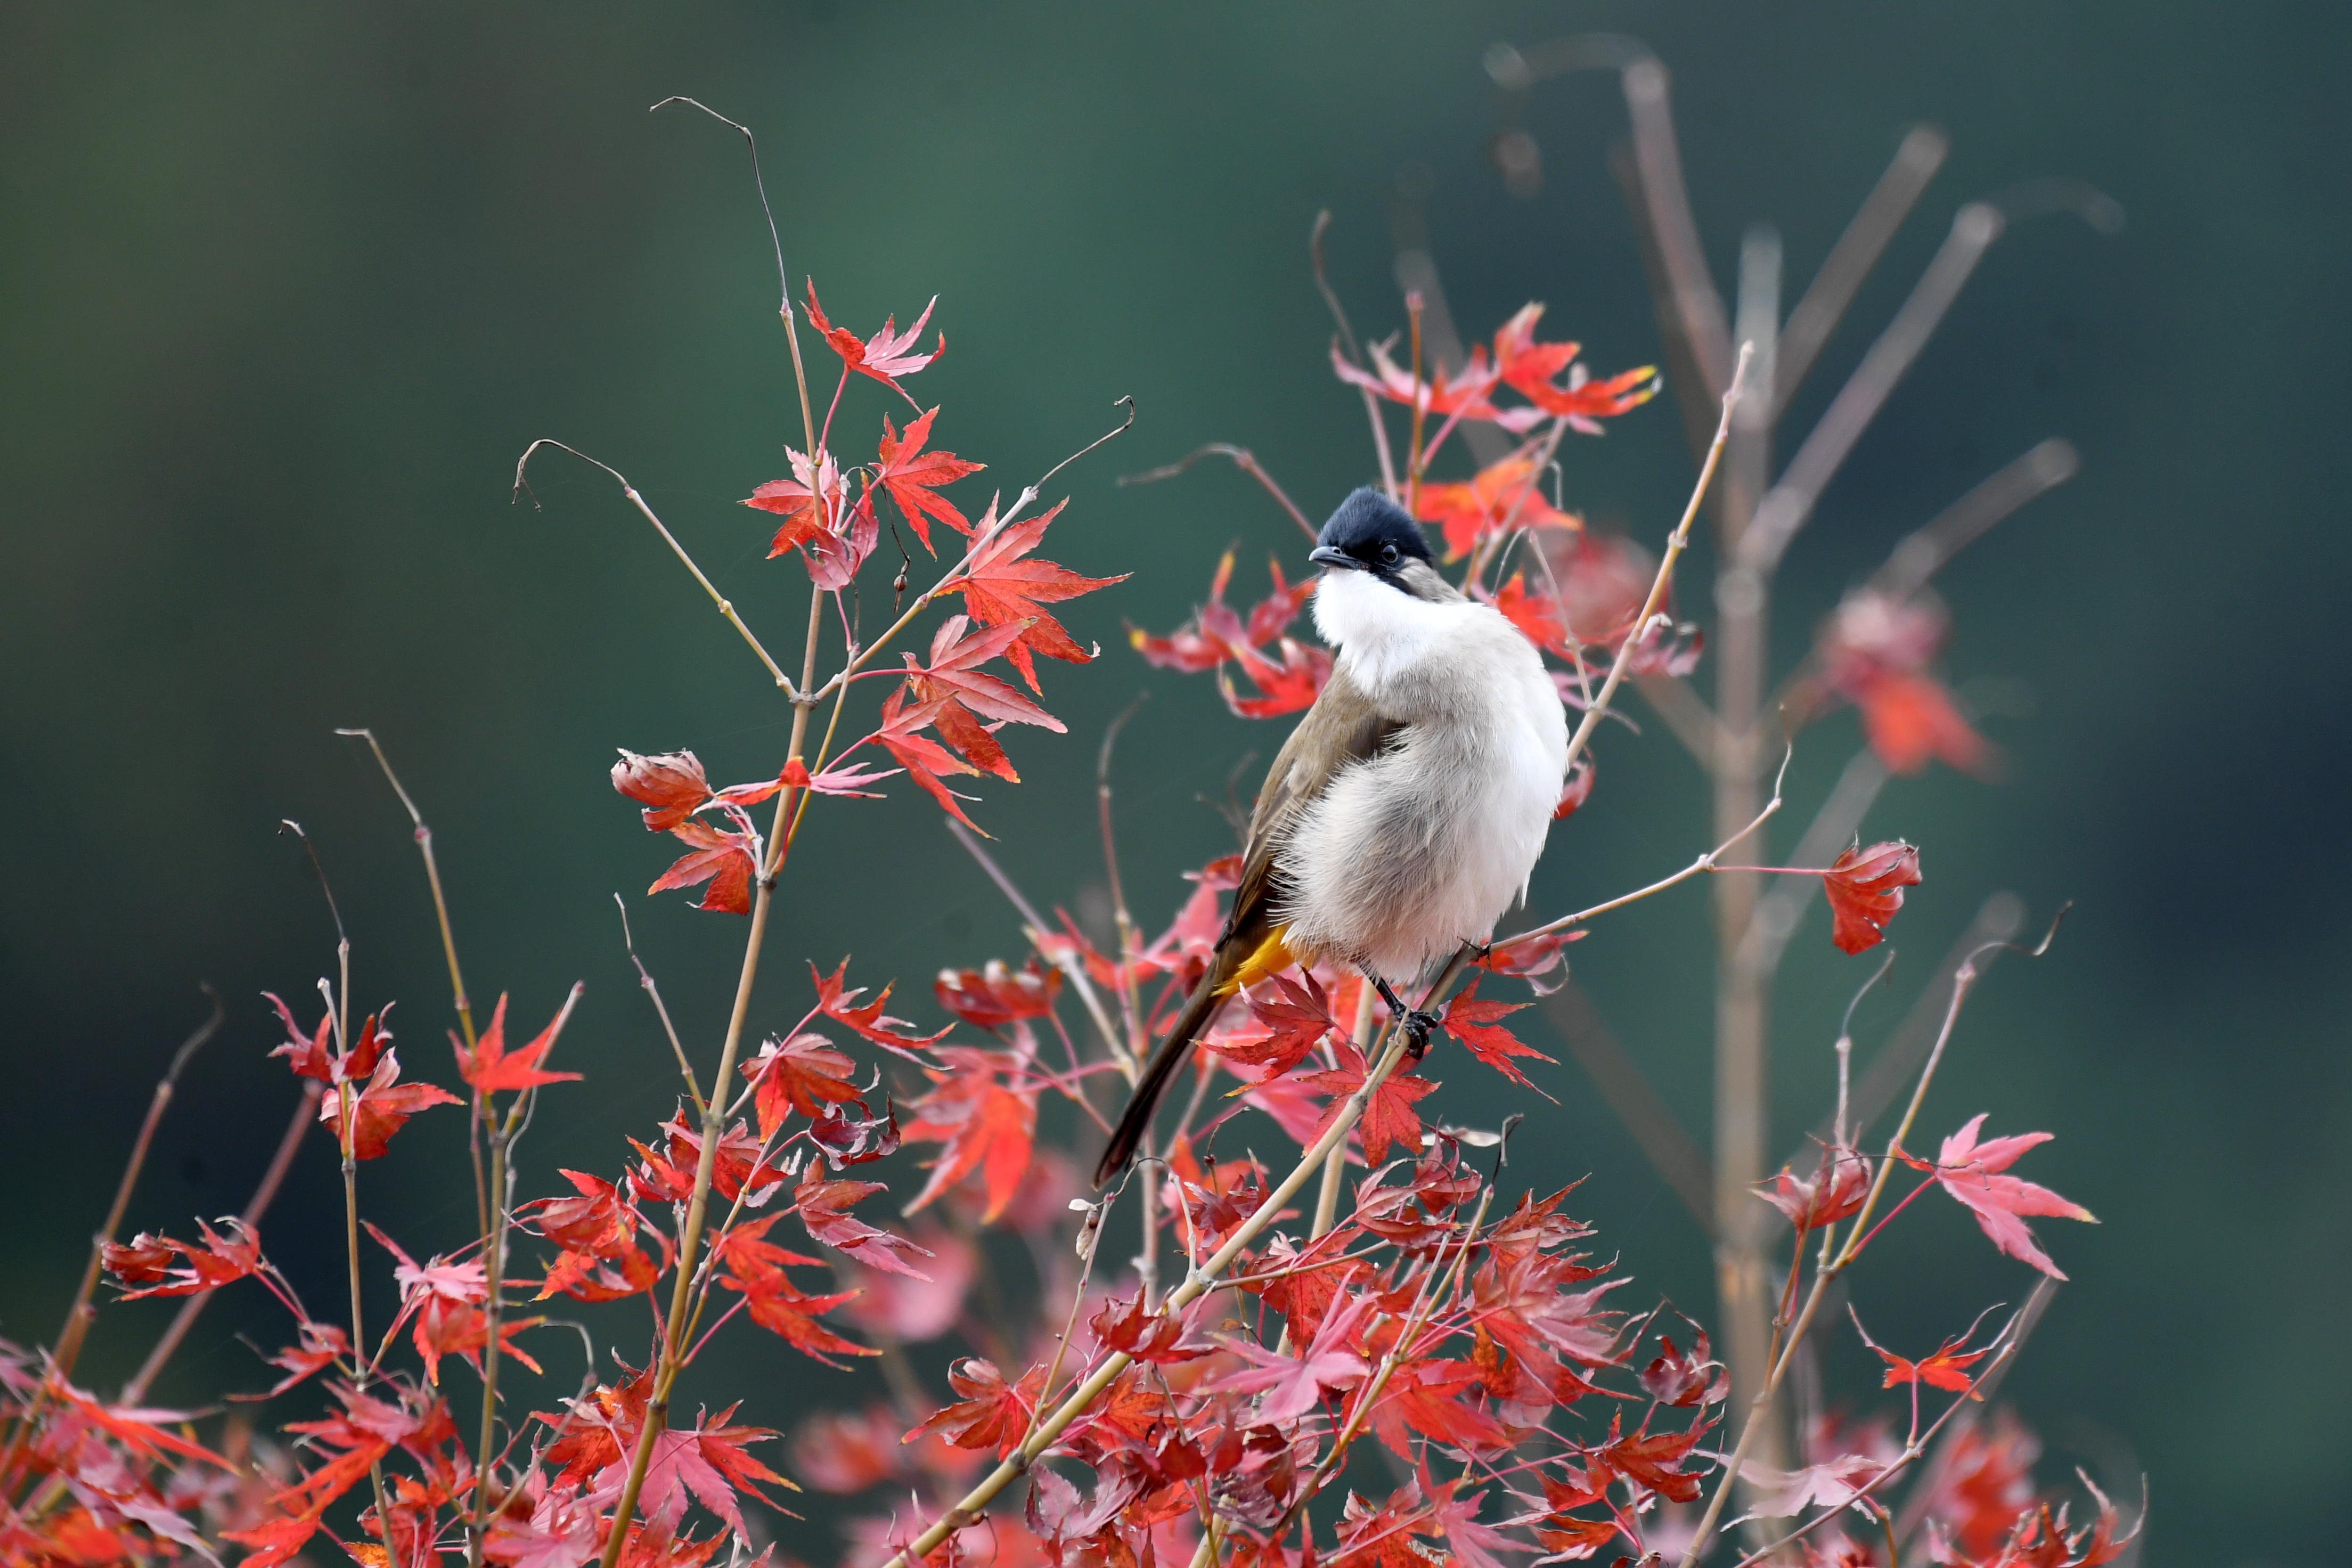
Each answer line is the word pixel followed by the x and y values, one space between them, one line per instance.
pixel 1705 863
pixel 1677 542
pixel 1244 459
pixel 860 658
pixel 674 1340
pixel 1857 1232
pixel 523 488
pixel 2011 1340
pixel 1851 260
pixel 646 984
pixel 1197 1282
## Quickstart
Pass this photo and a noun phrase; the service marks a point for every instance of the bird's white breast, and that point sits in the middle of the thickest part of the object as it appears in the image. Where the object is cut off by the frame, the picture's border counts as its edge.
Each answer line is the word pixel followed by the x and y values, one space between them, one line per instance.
pixel 1409 853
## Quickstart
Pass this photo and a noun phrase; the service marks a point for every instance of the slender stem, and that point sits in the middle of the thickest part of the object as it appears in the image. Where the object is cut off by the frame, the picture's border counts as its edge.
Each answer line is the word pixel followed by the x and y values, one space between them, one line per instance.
pixel 1705 863
pixel 1244 459
pixel 713 1124
pixel 1421 397
pixel 646 982
pixel 1675 543
pixel 782 681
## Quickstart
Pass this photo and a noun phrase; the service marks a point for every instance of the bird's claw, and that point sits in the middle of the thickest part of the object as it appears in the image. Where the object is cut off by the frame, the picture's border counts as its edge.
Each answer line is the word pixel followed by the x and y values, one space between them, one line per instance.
pixel 1417 1026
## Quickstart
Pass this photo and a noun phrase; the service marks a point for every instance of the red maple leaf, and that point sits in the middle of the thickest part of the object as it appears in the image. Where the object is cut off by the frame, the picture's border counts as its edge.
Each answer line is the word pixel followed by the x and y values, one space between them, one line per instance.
pixel 1505 491
pixel 1389 1119
pixel 911 476
pixel 1463 393
pixel 804 1074
pixel 1296 1015
pixel 823 1208
pixel 809 503
pixel 837 1000
pixel 1285 686
pixel 1473 1024
pixel 1293 1382
pixel 671 787
pixel 1969 1172
pixel 755 1267
pixel 223 1256
pixel 986 1125
pixel 1864 887
pixel 1946 1368
pixel 1536 615
pixel 380 1109
pixel 999 588
pixel 1433 1398
pixel 1653 1460
pixel 599 1221
pixel 722 859
pixel 1533 959
pixel 993 995
pixel 924 759
pixel 1837 1188
pixel 887 355
pixel 490 1065
pixel 993 1413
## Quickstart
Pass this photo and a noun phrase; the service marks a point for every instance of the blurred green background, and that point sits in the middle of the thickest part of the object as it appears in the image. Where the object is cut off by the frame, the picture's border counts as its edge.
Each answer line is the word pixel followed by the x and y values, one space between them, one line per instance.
pixel 284 292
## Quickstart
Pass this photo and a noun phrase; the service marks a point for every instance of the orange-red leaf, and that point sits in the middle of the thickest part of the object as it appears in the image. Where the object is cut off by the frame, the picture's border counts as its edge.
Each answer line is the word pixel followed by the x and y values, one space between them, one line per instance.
pixel 1864 887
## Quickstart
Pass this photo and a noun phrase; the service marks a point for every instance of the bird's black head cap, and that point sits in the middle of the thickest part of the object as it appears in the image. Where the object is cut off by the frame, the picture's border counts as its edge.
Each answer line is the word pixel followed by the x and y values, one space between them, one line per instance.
pixel 1371 533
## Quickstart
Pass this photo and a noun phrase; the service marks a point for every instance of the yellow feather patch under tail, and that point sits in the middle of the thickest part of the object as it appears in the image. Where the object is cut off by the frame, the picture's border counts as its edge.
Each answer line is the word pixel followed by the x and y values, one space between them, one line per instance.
pixel 1272 957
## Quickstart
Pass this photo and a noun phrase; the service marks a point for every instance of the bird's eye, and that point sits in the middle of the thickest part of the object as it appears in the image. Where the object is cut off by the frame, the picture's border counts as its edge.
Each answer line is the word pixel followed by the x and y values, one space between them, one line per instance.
pixel 1388 554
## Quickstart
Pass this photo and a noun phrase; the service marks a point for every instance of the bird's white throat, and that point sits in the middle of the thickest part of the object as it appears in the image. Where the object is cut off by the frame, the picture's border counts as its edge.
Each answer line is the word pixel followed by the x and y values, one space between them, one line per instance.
pixel 1380 631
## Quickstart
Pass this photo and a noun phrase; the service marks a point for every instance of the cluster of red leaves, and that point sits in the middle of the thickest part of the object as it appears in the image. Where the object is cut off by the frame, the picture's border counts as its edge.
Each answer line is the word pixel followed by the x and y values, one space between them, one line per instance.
pixel 1288 675
pixel 1876 651
pixel 1547 375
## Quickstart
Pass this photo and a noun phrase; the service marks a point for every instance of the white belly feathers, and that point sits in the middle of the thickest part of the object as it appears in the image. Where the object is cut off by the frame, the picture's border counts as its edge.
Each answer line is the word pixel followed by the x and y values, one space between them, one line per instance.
pixel 1412 853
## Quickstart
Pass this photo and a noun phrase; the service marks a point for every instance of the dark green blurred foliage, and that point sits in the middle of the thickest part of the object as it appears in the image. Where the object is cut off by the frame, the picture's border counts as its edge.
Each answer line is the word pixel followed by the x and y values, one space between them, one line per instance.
pixel 286 291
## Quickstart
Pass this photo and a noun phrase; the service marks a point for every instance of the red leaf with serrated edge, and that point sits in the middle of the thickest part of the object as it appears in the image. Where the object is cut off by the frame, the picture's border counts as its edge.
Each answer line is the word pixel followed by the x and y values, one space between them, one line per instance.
pixel 722 859
pixel 1864 887
pixel 1283 686
pixel 755 1267
pixel 1389 1119
pixel 1474 1022
pixel 1654 1461
pixel 490 1065
pixel 1693 1377
pixel 1296 1015
pixel 222 1258
pixel 986 1126
pixel 993 995
pixel 999 588
pixel 888 354
pixel 671 787
pixel 993 1413
pixel 1947 1369
pixel 1127 1327
pixel 599 1220
pixel 1968 1171
pixel 380 1108
pixel 846 1139
pixel 1838 1186
pixel 823 1209
pixel 923 759
pixel 804 1074
pixel 837 1000
pixel 1504 493
pixel 911 476
pixel 1292 1384
pixel 1431 1397
pixel 809 502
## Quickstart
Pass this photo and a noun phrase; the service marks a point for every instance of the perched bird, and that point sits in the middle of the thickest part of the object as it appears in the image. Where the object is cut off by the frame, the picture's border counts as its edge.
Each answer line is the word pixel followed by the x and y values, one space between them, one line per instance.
pixel 1407 810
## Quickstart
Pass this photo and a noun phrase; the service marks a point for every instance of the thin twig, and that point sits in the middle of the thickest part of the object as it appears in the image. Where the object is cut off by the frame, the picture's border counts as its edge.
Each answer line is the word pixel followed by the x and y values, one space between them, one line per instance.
pixel 1244 459
pixel 1075 968
pixel 522 486
pixel 645 980
pixel 1677 542
pixel 1851 260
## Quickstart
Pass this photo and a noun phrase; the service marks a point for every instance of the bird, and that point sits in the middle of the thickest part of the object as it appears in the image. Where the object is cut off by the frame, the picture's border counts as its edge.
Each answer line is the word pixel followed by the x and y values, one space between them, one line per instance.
pixel 1409 807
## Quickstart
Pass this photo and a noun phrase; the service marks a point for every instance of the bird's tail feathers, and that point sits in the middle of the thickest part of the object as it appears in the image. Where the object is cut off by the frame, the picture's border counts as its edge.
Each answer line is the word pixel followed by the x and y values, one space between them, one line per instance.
pixel 1158 1074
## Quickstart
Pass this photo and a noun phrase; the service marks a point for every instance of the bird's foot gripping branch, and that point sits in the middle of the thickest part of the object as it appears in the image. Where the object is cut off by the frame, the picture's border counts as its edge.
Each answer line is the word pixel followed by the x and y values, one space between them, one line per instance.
pixel 1423 1361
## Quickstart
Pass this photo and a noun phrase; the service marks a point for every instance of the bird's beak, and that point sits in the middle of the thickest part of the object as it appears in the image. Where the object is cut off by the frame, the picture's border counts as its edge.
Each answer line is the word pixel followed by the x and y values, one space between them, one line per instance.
pixel 1331 555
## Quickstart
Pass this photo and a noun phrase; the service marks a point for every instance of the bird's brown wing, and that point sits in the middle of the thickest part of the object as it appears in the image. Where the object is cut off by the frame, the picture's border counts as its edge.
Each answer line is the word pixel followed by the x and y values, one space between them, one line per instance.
pixel 1344 726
